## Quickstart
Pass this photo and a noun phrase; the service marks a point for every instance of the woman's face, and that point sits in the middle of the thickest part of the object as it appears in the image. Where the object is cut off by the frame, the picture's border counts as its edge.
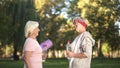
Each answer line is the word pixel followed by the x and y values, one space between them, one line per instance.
pixel 36 31
pixel 79 28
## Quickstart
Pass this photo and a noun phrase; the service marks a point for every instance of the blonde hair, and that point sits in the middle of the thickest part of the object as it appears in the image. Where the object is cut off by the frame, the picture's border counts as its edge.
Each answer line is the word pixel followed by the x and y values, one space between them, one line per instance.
pixel 30 26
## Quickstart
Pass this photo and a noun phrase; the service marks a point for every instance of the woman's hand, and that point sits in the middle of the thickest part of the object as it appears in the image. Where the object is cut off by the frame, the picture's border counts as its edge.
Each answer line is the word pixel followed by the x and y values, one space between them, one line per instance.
pixel 70 54
pixel 75 55
pixel 44 55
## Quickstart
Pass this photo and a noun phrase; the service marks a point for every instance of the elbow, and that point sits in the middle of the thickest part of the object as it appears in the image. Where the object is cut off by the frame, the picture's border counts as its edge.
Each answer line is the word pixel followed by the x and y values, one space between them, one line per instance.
pixel 85 56
pixel 25 58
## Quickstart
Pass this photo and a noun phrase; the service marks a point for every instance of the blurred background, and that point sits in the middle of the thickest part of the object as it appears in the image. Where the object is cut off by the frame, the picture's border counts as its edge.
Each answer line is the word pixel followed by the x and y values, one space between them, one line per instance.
pixel 55 19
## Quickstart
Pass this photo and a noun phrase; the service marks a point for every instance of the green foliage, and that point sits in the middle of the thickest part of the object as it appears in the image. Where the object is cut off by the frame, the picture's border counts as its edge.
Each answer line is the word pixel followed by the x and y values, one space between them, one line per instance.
pixel 100 14
pixel 6 27
pixel 13 17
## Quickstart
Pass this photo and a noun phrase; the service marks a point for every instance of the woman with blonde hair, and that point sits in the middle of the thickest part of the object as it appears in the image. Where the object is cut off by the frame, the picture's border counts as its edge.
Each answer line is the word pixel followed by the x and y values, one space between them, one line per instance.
pixel 32 52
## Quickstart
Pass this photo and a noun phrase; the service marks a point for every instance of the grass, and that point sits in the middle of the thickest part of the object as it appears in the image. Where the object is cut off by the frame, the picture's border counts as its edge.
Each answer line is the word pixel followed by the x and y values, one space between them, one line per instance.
pixel 63 63
pixel 105 63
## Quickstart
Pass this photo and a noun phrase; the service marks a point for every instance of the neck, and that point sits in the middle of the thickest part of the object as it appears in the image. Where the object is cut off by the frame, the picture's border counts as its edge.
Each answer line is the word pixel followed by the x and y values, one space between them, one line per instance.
pixel 32 36
pixel 82 31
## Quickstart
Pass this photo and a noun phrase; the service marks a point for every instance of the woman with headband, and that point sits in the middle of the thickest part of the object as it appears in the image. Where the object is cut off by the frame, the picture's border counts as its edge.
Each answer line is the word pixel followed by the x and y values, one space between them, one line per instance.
pixel 80 50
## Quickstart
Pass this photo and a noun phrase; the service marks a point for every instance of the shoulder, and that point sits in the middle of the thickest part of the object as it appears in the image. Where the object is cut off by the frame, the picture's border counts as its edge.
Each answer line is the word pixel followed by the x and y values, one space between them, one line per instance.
pixel 86 34
pixel 29 39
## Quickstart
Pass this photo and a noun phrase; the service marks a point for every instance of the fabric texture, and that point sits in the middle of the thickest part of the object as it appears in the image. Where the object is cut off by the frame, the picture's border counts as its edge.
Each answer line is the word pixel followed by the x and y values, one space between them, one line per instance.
pixel 85 46
pixel 36 57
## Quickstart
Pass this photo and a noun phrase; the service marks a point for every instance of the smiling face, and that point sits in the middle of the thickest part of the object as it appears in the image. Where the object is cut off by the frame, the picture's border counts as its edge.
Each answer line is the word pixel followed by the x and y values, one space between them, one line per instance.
pixel 80 24
pixel 36 31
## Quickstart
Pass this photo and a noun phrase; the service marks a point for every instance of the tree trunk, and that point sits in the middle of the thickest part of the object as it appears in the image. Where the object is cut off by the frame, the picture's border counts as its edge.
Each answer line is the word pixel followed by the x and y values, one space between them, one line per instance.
pixel 100 54
pixel 15 56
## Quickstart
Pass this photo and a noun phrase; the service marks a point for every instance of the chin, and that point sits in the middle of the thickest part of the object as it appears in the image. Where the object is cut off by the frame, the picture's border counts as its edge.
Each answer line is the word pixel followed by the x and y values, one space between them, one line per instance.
pixel 36 34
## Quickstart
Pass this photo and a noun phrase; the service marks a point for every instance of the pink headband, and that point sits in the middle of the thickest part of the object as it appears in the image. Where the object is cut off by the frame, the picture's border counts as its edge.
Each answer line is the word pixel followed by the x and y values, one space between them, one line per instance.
pixel 81 22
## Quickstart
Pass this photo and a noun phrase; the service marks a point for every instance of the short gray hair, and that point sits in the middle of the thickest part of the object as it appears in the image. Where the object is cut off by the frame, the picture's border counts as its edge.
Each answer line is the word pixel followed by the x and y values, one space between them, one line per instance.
pixel 30 26
pixel 81 20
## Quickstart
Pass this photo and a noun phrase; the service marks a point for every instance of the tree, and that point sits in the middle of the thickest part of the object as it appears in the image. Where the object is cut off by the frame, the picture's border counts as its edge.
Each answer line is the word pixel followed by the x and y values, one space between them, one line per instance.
pixel 22 12
pixel 15 14
pixel 6 28
pixel 102 16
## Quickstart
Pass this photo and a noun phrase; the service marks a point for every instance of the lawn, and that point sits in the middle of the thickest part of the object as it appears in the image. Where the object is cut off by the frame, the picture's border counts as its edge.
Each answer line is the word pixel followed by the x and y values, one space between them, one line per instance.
pixel 63 63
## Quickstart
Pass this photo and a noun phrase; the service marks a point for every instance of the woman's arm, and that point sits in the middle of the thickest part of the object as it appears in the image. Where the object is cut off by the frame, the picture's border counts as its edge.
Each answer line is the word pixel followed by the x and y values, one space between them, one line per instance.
pixel 76 55
pixel 87 50
pixel 27 55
